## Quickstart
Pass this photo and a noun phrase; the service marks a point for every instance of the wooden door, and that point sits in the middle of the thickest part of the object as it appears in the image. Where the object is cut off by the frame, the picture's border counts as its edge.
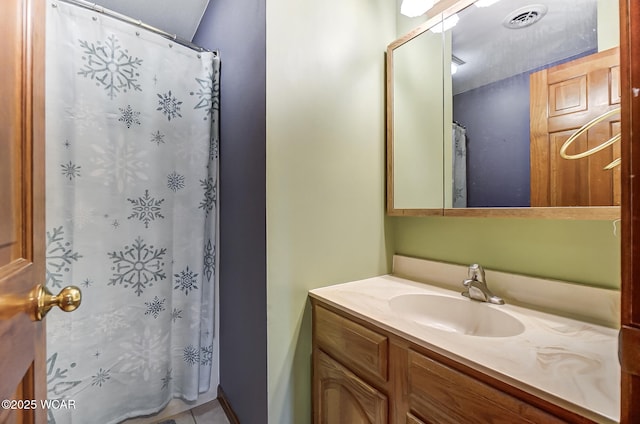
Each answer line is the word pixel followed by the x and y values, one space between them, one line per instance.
pixel 562 99
pixel 341 397
pixel 22 355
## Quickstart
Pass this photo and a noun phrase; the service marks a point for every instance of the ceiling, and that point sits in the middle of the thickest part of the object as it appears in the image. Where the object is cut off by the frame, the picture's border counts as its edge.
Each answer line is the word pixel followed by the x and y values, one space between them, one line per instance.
pixel 493 52
pixel 175 17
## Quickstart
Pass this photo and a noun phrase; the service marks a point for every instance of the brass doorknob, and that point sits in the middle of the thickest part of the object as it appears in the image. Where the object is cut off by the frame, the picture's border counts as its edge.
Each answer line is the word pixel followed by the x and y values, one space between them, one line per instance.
pixel 39 301
pixel 43 300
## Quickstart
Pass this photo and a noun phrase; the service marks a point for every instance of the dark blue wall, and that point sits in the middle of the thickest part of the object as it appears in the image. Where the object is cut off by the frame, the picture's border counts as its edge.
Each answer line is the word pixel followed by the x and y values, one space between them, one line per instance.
pixel 496 117
pixel 237 28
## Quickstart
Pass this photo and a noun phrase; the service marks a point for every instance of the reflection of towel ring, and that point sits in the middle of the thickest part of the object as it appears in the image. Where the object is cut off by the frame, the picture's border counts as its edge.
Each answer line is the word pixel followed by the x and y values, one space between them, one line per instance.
pixel 613 164
pixel 596 149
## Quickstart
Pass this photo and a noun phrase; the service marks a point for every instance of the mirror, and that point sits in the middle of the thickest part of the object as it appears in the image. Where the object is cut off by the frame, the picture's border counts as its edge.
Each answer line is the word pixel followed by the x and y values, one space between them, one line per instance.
pixel 505 82
pixel 417 163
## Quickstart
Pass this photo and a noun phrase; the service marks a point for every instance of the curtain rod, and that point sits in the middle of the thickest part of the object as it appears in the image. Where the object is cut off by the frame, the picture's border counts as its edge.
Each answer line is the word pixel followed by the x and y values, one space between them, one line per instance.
pixel 124 18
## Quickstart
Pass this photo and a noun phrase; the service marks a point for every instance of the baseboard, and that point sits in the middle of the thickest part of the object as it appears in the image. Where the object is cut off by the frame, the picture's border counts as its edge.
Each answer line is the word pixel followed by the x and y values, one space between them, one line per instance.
pixel 226 407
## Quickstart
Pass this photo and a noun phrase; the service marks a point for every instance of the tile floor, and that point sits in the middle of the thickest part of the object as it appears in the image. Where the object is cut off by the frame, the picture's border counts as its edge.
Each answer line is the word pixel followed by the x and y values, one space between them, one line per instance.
pixel 209 413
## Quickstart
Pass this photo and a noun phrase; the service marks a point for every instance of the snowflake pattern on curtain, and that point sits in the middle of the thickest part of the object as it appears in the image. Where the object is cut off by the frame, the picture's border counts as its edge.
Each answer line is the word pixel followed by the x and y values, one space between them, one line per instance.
pixel 132 176
pixel 110 65
pixel 59 256
pixel 459 166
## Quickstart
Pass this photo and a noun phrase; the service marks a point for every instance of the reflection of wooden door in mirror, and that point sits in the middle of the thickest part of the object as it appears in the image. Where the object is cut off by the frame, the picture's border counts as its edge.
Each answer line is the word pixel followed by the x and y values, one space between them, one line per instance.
pixel 563 99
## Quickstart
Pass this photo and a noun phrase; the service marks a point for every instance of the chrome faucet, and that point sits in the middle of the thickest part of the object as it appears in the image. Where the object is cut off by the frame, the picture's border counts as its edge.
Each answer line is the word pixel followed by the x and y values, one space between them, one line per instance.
pixel 477 289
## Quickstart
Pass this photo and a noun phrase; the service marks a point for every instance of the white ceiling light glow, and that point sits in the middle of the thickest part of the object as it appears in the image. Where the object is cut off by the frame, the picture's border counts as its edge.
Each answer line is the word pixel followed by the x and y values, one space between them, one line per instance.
pixel 415 8
pixel 447 24
pixel 485 3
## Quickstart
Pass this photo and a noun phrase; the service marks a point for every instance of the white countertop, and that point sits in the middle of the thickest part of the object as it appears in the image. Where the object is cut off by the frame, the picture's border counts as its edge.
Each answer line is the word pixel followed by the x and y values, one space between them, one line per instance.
pixel 571 363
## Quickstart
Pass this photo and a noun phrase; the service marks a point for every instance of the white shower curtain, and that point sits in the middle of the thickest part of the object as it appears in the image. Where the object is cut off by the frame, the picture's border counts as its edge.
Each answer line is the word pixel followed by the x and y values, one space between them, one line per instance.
pixel 459 166
pixel 132 133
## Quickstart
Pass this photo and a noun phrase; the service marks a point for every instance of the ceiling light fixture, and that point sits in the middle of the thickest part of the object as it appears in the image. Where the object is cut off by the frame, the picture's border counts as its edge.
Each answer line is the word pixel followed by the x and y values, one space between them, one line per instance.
pixel 415 8
pixel 485 3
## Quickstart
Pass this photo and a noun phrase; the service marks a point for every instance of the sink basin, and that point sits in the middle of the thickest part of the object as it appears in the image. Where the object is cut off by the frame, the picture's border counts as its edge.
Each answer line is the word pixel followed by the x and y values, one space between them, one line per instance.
pixel 462 316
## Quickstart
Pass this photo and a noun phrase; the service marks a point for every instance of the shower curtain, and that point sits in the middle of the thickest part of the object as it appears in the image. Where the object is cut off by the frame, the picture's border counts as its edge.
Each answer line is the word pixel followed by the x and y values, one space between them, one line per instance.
pixel 459 166
pixel 132 167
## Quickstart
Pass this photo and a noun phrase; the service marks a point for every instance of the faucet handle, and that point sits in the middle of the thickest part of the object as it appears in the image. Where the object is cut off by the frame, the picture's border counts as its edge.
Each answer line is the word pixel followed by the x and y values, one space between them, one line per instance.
pixel 476 272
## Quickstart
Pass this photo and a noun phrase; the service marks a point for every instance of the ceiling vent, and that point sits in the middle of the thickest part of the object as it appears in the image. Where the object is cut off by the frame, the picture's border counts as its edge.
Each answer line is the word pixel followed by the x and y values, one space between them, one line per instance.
pixel 525 16
pixel 455 59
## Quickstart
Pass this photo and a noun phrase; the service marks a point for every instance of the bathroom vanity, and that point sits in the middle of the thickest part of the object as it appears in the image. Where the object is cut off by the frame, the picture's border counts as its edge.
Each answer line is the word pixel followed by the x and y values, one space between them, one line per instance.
pixel 393 350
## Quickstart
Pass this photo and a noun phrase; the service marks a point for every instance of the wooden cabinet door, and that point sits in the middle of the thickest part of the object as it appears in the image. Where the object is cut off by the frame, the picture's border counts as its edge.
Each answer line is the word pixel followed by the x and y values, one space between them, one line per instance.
pixel 411 419
pixel 564 98
pixel 22 355
pixel 341 397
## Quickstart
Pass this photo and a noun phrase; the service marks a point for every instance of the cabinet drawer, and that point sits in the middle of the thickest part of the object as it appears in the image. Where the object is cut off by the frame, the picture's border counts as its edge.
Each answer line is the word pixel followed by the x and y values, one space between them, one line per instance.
pixel 441 394
pixel 355 346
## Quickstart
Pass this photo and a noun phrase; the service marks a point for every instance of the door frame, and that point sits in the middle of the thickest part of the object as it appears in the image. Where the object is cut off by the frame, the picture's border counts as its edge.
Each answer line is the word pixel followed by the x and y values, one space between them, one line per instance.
pixel 629 348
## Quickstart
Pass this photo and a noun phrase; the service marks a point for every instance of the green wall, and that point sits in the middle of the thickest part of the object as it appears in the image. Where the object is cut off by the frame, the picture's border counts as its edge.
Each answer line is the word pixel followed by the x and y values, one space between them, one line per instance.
pixel 418 88
pixel 586 252
pixel 325 172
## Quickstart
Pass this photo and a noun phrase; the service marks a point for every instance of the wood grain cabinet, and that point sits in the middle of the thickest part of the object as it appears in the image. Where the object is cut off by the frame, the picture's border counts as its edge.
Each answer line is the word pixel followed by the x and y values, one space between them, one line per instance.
pixel 363 374
pixel 441 394
pixel 343 397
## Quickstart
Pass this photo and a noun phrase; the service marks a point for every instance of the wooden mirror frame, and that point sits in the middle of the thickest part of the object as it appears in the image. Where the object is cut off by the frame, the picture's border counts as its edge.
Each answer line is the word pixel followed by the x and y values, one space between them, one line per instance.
pixel 447 8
